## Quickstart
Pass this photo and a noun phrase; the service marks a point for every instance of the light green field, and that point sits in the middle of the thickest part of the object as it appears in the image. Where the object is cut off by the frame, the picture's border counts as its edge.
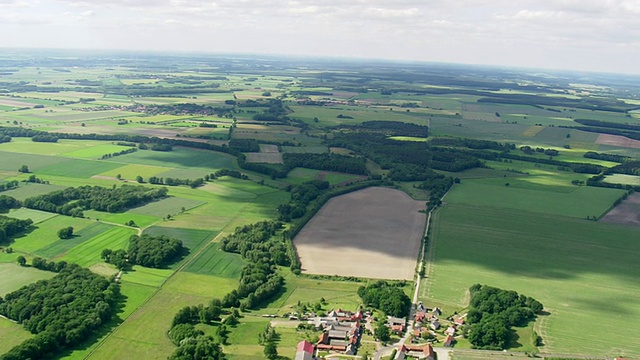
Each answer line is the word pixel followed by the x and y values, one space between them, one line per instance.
pixel 36 216
pixel 88 252
pixel 96 152
pixel 201 285
pixel 622 179
pixel 15 276
pixel 45 233
pixel 169 206
pixel 143 334
pixel 78 168
pixel 122 218
pixel 580 270
pixel 130 172
pixel 12 334
pixel 178 158
pixel 213 261
pixel 576 201
pixel 61 246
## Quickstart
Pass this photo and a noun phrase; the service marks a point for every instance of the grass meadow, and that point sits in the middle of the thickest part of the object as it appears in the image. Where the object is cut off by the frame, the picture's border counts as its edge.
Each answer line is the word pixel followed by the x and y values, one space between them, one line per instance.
pixel 15 276
pixel 12 334
pixel 88 252
pixel 584 272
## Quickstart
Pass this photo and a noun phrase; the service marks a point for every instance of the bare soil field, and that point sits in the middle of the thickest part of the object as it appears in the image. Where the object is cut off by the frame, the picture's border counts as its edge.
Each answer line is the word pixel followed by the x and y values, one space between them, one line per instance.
pixel 266 157
pixel 370 233
pixel 16 103
pixel 268 148
pixel 617 140
pixel 628 212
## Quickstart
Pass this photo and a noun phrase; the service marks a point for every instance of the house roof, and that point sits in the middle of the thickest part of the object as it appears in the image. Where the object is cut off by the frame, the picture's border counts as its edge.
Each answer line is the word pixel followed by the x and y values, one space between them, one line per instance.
pixel 305 346
pixel 428 350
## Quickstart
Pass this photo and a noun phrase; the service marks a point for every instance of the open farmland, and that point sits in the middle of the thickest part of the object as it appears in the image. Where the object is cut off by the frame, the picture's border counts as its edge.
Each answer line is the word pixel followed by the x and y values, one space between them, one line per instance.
pixel 576 268
pixel 372 226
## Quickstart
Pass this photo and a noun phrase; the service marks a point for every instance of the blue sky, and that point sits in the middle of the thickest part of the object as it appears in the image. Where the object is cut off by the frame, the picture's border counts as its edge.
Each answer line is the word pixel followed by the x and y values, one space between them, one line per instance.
pixel 592 35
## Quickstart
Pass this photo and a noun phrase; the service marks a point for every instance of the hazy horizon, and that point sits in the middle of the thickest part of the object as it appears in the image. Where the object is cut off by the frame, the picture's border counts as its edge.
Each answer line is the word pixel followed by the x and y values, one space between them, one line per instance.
pixel 592 35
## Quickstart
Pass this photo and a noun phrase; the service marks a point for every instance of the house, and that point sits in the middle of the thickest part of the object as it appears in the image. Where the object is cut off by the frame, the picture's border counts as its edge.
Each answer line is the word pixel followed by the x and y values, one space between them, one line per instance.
pixel 420 316
pixel 450 331
pixel 435 325
pixel 436 311
pixel 428 352
pixel 420 307
pixel 449 341
pixel 402 353
pixel 458 321
pixel 305 351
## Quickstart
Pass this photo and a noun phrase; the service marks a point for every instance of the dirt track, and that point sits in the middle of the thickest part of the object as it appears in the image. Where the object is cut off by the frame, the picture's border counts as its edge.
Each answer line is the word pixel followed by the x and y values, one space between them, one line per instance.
pixel 371 233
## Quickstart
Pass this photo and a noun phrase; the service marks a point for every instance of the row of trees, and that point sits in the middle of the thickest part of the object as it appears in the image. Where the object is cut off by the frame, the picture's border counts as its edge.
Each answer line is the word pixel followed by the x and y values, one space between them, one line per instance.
pixel 62 311
pixel 8 202
pixel 72 201
pixel 12 184
pixel 493 312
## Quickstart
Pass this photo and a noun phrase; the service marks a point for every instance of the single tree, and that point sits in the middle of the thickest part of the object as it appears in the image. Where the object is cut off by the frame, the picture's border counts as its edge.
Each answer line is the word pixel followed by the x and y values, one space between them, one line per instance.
pixel 65 233
pixel 24 169
pixel 270 350
pixel 22 261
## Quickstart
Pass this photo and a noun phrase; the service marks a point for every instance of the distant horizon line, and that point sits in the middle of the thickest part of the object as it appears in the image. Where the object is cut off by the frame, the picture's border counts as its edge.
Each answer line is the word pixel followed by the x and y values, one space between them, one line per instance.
pixel 347 59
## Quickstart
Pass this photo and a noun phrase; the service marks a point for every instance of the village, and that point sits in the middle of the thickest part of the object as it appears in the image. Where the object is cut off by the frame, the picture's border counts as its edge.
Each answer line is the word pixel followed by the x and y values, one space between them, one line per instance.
pixel 341 333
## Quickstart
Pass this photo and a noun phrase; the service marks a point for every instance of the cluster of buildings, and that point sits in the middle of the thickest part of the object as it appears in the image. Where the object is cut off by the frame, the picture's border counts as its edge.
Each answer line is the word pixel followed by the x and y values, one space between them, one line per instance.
pixel 429 321
pixel 341 331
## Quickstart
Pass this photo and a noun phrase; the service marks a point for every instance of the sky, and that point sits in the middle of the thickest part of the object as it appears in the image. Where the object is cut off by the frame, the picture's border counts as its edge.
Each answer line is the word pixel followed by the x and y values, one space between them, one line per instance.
pixel 583 35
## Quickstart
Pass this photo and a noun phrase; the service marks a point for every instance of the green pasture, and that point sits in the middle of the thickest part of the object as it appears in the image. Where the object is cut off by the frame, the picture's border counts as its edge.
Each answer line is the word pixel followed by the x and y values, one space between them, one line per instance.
pixel 179 157
pixel 213 261
pixel 78 168
pixel 27 190
pixel 12 334
pixel 45 233
pixel 583 272
pixel 622 179
pixel 96 152
pixel 185 173
pixel 243 339
pixel 122 218
pixel 61 246
pixel 227 191
pixel 328 116
pixel 524 194
pixel 134 296
pixel 36 216
pixel 143 334
pixel 209 286
pixel 192 239
pixel 168 206
pixel 88 252
pixel 147 276
pixel 15 276
pixel 131 172
pixel 12 161
pixel 408 138
pixel 305 149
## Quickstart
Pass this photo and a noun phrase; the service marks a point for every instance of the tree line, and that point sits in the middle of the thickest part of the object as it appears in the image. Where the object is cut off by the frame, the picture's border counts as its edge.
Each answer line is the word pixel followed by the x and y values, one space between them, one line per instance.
pixel 72 201
pixel 11 226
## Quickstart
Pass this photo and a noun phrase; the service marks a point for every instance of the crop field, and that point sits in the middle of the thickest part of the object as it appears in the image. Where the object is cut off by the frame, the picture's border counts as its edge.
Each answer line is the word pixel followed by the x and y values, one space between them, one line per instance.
pixel 60 247
pixel 130 172
pixel 15 276
pixel 622 179
pixel 36 216
pixel 372 226
pixel 578 202
pixel 77 168
pixel 178 158
pixel 169 206
pixel 268 158
pixel 576 268
pixel 96 152
pixel 45 233
pixel 88 252
pixel 154 317
pixel 213 261
pixel 13 161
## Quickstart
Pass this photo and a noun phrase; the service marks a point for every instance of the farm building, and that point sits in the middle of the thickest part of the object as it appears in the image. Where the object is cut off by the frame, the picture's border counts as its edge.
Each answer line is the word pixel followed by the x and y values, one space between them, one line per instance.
pixel 305 351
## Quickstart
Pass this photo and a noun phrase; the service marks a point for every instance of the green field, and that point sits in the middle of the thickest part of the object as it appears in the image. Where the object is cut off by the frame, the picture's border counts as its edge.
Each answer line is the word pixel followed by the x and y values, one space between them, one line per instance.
pixel 12 334
pixel 169 206
pixel 178 158
pixel 576 201
pixel 60 247
pixel 88 252
pixel 576 268
pixel 15 276
pixel 214 261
